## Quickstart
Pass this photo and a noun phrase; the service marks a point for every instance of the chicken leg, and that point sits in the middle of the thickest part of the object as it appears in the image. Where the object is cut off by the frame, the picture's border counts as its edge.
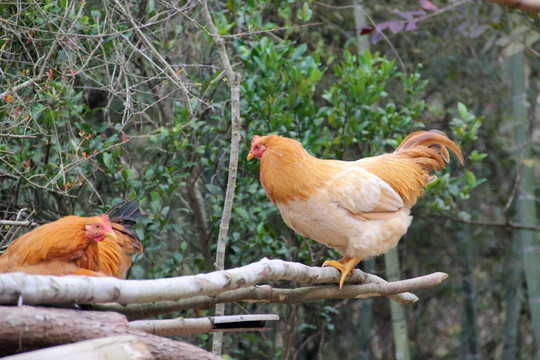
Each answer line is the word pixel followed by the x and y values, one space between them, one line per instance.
pixel 346 265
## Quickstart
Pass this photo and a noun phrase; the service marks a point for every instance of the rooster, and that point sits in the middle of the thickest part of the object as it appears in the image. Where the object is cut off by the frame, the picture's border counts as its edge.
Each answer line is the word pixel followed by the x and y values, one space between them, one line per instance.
pixel 115 254
pixel 68 246
pixel 360 208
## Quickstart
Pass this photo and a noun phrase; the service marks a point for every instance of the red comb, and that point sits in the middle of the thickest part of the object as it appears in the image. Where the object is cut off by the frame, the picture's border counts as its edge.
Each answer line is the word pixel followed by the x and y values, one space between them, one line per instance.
pixel 255 138
pixel 106 222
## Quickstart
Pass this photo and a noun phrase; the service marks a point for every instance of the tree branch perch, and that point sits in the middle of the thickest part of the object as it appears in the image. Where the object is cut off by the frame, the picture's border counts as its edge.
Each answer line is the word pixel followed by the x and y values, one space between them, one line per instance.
pixel 39 289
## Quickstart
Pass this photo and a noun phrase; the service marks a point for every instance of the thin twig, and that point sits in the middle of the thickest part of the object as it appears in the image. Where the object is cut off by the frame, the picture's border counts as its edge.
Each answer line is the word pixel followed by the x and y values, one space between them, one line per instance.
pixel 21 86
pixel 502 223
pixel 172 74
pixel 18 136
pixel 284 28
pixel 27 223
pixel 13 225
pixel 517 183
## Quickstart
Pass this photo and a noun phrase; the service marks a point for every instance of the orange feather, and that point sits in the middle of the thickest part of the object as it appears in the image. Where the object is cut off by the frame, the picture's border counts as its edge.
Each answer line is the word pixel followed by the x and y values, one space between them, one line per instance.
pixel 57 248
pixel 115 254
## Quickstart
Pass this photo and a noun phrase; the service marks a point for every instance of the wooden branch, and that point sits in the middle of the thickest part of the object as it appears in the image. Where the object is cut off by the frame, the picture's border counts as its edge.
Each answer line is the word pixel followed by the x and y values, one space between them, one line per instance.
pixel 26 223
pixel 527 5
pixel 21 86
pixel 267 294
pixel 40 289
pixel 26 328
pixel 173 327
pixel 126 347
pixel 13 136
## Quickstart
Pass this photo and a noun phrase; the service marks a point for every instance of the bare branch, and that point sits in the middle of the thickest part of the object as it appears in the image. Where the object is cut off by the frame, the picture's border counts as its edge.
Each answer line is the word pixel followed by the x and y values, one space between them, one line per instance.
pixel 502 223
pixel 26 223
pixel 173 76
pixel 39 289
pixel 19 87
pixel 517 183
pixel 269 31
pixel 267 294
pixel 13 136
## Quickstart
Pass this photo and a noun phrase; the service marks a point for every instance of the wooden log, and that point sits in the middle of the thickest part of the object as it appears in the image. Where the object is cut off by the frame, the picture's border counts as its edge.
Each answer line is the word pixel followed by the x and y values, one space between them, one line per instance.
pixel 114 347
pixel 173 327
pixel 226 323
pixel 26 328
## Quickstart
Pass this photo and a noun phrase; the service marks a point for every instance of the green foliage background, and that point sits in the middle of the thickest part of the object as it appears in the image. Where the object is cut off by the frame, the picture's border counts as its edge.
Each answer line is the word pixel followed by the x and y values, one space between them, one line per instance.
pixel 103 123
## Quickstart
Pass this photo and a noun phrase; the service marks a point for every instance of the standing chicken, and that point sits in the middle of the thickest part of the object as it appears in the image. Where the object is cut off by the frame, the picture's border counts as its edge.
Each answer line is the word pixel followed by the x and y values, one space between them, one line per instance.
pixel 360 208
pixel 115 254
pixel 68 246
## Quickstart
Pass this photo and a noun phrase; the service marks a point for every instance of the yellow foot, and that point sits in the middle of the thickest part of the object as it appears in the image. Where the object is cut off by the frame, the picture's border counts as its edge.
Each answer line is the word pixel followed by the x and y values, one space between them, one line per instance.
pixel 345 265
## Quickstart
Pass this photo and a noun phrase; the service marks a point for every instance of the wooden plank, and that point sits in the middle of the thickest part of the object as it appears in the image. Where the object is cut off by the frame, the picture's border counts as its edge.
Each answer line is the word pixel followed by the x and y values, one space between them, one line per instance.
pixel 255 322
pixel 243 318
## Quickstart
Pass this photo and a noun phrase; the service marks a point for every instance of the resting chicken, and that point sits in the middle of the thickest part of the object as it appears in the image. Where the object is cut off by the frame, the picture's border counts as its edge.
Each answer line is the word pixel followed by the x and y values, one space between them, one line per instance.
pixel 360 208
pixel 75 245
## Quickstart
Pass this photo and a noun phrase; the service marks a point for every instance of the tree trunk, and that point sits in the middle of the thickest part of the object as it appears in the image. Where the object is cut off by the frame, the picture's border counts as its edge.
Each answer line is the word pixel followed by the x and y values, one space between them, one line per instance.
pixel 470 347
pixel 399 322
pixel 25 328
pixel 525 200
pixel 513 304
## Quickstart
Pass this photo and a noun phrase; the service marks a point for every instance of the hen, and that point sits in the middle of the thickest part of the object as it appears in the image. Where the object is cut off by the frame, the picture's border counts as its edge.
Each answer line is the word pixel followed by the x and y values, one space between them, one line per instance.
pixel 68 246
pixel 360 208
pixel 115 254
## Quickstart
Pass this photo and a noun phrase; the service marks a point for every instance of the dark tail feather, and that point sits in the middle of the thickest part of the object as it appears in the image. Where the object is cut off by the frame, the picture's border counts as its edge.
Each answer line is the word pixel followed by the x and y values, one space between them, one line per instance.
pixel 126 213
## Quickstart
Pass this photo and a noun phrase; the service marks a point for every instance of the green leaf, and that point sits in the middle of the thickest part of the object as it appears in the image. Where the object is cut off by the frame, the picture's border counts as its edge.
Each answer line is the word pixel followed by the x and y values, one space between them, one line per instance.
pixel 471 178
pixel 107 160
pixel 462 109
pixel 298 51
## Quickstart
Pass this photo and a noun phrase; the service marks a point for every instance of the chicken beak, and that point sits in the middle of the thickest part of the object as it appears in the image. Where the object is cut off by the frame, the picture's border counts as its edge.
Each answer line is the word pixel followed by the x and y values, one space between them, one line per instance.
pixel 250 156
pixel 111 234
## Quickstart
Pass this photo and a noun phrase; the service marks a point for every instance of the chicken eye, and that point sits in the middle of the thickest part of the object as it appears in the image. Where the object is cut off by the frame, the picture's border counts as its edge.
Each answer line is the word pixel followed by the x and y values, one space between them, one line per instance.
pixel 98 226
pixel 257 147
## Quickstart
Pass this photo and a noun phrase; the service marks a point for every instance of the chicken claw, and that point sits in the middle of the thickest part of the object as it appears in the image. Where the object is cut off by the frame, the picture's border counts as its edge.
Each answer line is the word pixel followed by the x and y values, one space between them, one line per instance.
pixel 346 265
